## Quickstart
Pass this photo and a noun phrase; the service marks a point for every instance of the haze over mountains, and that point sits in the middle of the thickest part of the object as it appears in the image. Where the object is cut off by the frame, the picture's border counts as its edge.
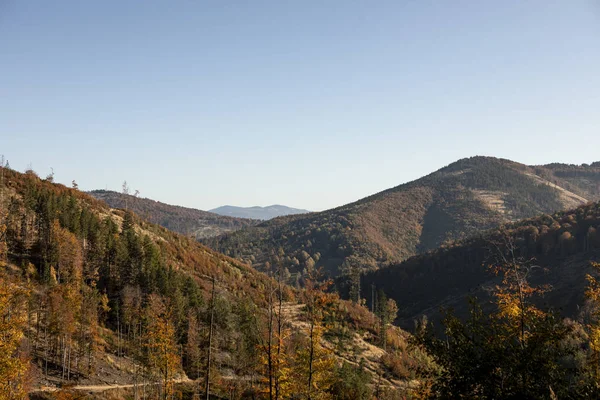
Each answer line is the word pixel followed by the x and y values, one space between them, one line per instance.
pixel 469 196
pixel 262 213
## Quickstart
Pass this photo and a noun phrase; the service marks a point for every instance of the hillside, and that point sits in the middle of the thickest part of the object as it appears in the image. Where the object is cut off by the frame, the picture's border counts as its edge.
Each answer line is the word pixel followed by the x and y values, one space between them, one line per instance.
pixel 560 246
pixel 187 221
pixel 466 197
pixel 97 300
pixel 262 213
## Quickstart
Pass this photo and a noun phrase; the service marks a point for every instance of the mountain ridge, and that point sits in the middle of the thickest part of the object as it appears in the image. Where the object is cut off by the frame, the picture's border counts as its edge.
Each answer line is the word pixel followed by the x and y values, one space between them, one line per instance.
pixel 468 196
pixel 184 220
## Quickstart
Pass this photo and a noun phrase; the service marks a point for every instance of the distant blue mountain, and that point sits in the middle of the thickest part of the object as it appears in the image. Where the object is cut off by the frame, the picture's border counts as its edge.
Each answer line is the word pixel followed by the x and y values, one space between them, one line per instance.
pixel 263 213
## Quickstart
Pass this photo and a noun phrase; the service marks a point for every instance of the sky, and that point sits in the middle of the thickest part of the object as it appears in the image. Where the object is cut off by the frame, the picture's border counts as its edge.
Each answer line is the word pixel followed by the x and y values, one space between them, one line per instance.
pixel 311 104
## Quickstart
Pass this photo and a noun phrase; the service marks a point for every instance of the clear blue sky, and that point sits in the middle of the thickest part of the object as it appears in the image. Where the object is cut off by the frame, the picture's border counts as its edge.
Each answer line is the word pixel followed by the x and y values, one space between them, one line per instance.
pixel 311 104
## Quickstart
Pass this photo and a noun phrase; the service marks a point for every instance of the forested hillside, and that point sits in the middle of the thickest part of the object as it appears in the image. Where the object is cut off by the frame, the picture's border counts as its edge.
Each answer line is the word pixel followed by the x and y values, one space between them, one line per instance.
pixel 91 297
pixel 96 300
pixel 466 197
pixel 558 247
pixel 187 221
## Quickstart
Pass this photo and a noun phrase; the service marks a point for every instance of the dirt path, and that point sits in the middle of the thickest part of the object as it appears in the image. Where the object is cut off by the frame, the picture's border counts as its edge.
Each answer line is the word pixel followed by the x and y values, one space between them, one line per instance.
pixel 102 388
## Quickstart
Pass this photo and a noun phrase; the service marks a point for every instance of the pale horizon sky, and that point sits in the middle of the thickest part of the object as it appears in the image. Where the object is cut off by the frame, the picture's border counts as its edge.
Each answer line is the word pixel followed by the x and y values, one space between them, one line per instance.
pixel 308 104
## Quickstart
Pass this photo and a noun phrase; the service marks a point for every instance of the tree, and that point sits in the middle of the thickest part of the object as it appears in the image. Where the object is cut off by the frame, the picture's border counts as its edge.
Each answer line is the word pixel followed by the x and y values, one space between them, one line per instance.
pixel 194 345
pixel 161 344
pixel 354 280
pixel 88 329
pixel 3 216
pixel 3 235
pixel 273 357
pixel 387 311
pixel 13 364
pixel 50 176
pixel 351 383
pixel 314 364
pixel 247 351
pixel 125 191
pixel 593 327
pixel 514 295
pixel 515 351
pixel 210 337
pixel 68 255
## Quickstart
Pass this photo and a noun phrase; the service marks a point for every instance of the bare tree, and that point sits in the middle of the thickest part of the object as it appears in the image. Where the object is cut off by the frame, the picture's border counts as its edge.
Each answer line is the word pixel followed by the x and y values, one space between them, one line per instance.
pixel 125 191
pixel 3 245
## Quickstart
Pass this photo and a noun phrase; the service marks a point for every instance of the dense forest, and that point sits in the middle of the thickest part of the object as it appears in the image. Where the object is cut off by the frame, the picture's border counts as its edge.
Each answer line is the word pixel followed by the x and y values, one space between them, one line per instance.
pixel 562 244
pixel 469 196
pixel 187 221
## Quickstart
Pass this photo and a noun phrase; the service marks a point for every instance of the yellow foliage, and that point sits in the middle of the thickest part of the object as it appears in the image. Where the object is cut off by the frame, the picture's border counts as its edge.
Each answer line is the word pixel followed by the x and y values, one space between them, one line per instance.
pixel 513 298
pixel 280 364
pixel 13 366
pixel 313 372
pixel 161 343
pixel 69 254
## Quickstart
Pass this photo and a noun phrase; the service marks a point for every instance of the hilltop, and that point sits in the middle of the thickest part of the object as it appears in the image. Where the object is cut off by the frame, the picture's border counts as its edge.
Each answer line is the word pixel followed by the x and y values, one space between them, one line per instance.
pixel 469 196
pixel 262 213
pixel 187 221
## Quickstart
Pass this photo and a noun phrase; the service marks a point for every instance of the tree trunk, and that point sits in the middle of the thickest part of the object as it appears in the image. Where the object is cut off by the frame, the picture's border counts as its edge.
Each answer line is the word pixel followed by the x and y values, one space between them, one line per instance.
pixel 210 334
pixel 311 357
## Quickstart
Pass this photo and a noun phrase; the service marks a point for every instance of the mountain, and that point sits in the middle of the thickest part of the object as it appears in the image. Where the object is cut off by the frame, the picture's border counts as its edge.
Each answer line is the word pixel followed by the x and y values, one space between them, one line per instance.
pixel 97 302
pixel 559 247
pixel 262 213
pixel 469 196
pixel 187 221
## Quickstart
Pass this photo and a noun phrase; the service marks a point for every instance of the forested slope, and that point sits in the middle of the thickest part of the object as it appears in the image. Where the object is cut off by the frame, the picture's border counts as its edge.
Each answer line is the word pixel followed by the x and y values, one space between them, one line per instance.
pixel 560 246
pixel 460 200
pixel 93 296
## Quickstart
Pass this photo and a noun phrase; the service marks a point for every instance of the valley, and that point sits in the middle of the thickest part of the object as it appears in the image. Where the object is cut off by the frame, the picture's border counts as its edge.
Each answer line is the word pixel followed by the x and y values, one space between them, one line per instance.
pixel 107 302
